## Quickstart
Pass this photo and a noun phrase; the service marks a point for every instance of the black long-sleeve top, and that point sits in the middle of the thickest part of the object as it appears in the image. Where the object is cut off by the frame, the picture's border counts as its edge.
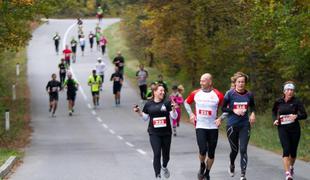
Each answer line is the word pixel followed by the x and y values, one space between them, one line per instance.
pixel 293 106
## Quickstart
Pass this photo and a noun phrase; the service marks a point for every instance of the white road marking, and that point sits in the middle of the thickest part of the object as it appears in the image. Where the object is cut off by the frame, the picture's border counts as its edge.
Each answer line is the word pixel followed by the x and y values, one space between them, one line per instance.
pixel 93 112
pixel 89 106
pixel 120 137
pixel 111 131
pixel 105 126
pixel 99 119
pixel 141 151
pixel 129 144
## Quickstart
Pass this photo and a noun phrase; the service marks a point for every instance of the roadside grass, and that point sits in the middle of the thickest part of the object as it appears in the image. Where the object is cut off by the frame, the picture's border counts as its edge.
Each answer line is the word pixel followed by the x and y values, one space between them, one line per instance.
pixel 263 134
pixel 12 141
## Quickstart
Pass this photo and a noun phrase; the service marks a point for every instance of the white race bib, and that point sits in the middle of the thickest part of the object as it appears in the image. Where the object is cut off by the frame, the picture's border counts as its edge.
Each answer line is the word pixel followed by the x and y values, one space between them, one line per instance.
pixel 159 122
pixel 285 119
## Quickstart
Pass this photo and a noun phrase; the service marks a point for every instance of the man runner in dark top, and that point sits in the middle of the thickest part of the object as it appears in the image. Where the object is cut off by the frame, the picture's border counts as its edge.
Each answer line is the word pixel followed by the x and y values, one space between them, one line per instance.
pixel 72 86
pixel 117 79
pixel 119 62
pixel 62 71
pixel 56 39
pixel 52 88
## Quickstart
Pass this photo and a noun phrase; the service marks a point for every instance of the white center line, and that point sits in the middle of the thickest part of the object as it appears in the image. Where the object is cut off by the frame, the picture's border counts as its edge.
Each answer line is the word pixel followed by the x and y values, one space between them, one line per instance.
pixel 120 137
pixel 111 131
pixel 89 106
pixel 93 112
pixel 105 126
pixel 141 151
pixel 129 144
pixel 99 119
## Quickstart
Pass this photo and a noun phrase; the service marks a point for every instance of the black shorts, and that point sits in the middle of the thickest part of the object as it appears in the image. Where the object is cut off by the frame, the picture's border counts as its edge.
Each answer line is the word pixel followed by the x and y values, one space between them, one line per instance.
pixel 117 88
pixel 53 97
pixel 207 141
pixel 71 96
pixel 94 93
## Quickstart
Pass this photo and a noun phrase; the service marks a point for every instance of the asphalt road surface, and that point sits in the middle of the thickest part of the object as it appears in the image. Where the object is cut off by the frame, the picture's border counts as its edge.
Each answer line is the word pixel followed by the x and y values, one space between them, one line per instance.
pixel 110 142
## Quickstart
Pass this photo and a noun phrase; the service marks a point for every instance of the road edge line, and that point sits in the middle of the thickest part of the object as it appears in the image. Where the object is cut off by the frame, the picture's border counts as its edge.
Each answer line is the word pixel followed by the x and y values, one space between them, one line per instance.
pixel 7 166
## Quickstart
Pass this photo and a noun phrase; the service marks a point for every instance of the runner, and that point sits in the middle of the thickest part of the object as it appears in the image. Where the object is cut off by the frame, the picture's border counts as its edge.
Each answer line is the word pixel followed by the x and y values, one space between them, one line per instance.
pixel 100 68
pixel 73 43
pixel 98 35
pixel 239 103
pixel 52 88
pixel 149 92
pixel 117 79
pixel 119 61
pixel 158 111
pixel 161 81
pixel 91 37
pixel 67 53
pixel 176 97
pixel 62 71
pixel 56 39
pixel 72 86
pixel 142 75
pixel 95 82
pixel 103 42
pixel 207 100
pixel 286 113
pixel 99 13
pixel 82 44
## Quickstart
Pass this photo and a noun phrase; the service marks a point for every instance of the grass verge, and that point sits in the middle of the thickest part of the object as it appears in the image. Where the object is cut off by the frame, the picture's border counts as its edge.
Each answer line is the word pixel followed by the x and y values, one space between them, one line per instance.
pixel 13 141
pixel 263 135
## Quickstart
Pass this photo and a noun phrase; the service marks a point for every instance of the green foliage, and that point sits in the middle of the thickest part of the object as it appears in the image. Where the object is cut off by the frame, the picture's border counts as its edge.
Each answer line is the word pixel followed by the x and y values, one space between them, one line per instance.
pixel 268 40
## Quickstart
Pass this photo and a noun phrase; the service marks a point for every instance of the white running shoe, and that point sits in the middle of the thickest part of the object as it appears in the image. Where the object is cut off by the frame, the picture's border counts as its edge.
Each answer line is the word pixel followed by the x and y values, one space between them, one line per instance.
pixel 231 170
pixel 288 176
pixel 166 172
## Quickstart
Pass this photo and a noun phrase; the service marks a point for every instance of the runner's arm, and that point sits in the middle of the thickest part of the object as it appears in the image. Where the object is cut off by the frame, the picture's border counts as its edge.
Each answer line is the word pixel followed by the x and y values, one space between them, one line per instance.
pixel 301 112
pixel 187 108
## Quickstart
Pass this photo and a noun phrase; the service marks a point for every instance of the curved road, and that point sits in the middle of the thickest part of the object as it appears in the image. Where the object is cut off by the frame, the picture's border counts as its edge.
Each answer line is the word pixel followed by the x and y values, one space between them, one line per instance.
pixel 111 142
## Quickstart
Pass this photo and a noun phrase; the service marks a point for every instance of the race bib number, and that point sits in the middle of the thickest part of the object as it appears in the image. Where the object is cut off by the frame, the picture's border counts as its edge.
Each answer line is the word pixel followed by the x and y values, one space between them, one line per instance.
pixel 241 105
pixel 204 112
pixel 116 79
pixel 54 89
pixel 62 70
pixel 159 122
pixel 285 119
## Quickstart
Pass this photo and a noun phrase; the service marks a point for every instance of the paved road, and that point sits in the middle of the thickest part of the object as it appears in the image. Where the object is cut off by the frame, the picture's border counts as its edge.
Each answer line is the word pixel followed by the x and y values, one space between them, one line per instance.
pixel 109 143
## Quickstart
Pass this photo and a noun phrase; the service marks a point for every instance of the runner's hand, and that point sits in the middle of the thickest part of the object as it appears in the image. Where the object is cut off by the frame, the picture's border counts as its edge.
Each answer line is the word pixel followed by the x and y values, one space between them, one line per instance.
pixel 252 119
pixel 192 118
pixel 276 123
pixel 218 122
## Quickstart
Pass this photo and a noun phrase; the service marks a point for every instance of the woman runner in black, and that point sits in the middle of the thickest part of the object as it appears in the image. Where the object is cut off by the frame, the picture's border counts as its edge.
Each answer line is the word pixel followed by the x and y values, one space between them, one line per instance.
pixel 159 111
pixel 286 113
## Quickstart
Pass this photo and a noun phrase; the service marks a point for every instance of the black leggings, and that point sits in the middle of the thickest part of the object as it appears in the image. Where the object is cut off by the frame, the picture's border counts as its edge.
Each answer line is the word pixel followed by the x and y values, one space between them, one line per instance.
pixel 103 49
pixel 62 77
pixel 143 89
pixel 289 137
pixel 160 145
pixel 236 134
pixel 207 141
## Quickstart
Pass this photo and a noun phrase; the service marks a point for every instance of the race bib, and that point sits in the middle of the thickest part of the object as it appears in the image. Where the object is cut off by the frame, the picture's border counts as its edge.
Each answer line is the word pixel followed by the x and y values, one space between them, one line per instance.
pixel 54 89
pixel 116 79
pixel 204 112
pixel 159 122
pixel 285 119
pixel 62 70
pixel 241 105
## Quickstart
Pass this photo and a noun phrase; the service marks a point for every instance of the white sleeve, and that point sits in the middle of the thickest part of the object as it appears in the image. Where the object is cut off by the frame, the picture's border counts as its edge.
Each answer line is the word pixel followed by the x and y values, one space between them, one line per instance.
pixel 145 117
pixel 173 114
pixel 188 108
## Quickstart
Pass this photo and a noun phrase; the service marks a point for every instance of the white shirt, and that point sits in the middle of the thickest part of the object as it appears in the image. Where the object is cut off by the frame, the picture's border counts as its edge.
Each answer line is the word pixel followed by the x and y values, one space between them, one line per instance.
pixel 100 68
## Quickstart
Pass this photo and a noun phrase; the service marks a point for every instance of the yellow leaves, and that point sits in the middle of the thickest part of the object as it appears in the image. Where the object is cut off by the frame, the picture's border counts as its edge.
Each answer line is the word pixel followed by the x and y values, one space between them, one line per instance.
pixel 23 2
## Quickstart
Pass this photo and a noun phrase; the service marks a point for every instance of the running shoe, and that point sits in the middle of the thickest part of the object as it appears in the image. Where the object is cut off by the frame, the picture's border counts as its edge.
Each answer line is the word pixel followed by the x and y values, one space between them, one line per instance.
pixel 231 170
pixel 206 177
pixel 70 113
pixel 158 176
pixel 242 178
pixel 288 176
pixel 166 172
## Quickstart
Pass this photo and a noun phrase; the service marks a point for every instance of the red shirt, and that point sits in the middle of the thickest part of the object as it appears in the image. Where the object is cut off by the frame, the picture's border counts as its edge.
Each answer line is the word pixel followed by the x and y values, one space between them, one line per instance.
pixel 67 53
